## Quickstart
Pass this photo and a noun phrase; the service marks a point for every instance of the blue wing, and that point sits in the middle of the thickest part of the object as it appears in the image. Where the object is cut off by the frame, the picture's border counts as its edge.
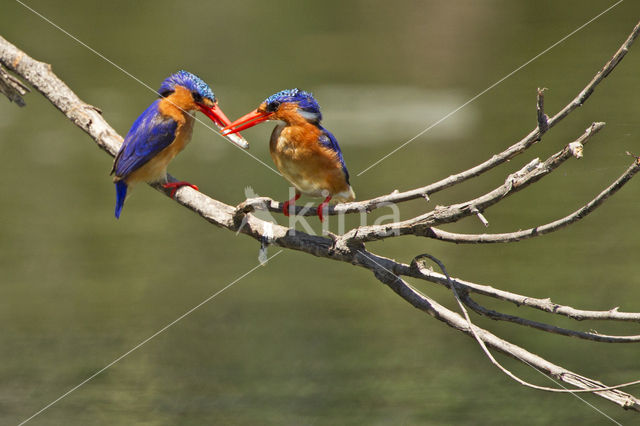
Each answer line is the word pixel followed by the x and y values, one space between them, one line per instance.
pixel 150 134
pixel 327 140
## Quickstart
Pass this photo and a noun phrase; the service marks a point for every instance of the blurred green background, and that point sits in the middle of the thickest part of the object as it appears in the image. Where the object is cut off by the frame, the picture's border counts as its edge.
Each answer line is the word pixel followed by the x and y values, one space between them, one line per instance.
pixel 305 340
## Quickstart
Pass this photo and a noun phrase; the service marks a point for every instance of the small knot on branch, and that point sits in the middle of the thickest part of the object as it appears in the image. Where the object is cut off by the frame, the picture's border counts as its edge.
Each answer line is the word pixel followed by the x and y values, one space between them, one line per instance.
pixel 513 179
pixel 543 119
pixel 250 205
pixel 347 243
pixel 576 149
pixel 418 266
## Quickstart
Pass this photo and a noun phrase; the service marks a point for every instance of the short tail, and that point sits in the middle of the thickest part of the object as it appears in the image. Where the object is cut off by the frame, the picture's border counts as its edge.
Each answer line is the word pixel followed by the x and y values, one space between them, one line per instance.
pixel 121 194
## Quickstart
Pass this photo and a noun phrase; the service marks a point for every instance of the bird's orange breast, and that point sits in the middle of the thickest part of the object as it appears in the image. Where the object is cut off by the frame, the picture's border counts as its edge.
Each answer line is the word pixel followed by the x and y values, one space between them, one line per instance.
pixel 310 167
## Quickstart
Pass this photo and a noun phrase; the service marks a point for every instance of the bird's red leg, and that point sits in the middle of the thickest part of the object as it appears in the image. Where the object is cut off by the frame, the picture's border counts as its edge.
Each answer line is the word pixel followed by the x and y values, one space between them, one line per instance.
pixel 322 206
pixel 176 185
pixel 285 206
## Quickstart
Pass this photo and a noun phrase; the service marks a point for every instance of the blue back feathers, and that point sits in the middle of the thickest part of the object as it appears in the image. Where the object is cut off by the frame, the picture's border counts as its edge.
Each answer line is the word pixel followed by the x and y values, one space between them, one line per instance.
pixel 150 134
pixel 327 140
pixel 305 100
pixel 191 82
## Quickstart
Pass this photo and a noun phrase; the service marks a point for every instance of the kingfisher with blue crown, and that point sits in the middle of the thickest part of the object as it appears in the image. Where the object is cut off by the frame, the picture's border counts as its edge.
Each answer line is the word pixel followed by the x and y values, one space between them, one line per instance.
pixel 162 131
pixel 306 153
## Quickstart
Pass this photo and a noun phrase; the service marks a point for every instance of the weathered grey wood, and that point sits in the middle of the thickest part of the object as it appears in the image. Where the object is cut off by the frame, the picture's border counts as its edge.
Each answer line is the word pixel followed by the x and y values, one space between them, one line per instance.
pixel 351 248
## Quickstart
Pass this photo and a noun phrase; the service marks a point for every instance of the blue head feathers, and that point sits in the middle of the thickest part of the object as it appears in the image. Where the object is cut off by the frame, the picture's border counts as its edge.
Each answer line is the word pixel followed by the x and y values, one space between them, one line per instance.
pixel 305 101
pixel 187 80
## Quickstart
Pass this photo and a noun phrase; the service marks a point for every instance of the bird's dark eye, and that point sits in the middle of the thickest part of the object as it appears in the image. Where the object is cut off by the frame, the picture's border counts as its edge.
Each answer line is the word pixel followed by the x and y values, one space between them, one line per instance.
pixel 273 106
pixel 197 97
pixel 166 93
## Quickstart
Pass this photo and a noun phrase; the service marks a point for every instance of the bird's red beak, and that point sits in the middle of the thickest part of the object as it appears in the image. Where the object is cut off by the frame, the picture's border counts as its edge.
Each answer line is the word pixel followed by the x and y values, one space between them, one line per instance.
pixel 246 121
pixel 220 119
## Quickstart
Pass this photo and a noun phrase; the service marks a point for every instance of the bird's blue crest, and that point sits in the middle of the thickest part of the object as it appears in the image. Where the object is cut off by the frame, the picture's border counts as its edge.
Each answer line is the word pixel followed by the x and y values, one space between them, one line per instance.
pixel 305 100
pixel 191 82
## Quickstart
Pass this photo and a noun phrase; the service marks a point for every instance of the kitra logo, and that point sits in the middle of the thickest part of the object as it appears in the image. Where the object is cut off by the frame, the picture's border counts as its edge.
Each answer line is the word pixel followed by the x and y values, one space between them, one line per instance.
pixel 308 224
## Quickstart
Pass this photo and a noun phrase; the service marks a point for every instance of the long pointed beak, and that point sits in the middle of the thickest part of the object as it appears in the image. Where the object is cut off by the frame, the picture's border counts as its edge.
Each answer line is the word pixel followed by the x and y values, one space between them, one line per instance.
pixel 217 116
pixel 246 121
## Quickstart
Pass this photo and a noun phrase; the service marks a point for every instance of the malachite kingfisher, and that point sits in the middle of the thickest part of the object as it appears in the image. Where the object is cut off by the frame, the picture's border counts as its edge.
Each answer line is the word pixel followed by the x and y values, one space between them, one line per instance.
pixel 162 131
pixel 306 153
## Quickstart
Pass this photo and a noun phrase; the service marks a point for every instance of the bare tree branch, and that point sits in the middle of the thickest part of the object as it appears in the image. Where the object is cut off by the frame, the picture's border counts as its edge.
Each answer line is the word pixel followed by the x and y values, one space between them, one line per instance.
pixel 596 337
pixel 540 230
pixel 482 344
pixel 421 225
pixel 350 247
pixel 545 305
pixel 495 160
pixel 452 319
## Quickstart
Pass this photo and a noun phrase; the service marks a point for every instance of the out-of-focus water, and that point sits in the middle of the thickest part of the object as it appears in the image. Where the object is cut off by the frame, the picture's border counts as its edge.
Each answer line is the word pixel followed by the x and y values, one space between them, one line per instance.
pixel 305 340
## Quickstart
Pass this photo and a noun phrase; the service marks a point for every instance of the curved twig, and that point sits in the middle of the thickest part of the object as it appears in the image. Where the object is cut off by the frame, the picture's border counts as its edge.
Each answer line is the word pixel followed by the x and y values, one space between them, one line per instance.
pixel 487 339
pixel 495 160
pixel 421 225
pixel 460 296
pixel 537 231
pixel 545 305
pixel 499 316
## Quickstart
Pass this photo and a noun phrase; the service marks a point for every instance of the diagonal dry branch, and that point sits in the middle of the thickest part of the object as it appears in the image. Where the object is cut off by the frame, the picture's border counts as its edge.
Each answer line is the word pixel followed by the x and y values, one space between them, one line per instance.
pixel 421 225
pixel 352 250
pixel 540 230
pixel 543 124
pixel 452 319
pixel 587 335
pixel 545 305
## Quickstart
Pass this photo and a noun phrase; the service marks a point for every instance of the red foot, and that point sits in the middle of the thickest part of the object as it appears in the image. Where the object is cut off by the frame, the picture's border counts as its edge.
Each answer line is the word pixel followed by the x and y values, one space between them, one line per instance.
pixel 285 206
pixel 322 206
pixel 177 185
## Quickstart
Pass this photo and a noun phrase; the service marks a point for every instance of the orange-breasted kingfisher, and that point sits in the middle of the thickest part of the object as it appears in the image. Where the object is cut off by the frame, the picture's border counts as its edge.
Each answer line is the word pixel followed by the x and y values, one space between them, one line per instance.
pixel 162 131
pixel 306 153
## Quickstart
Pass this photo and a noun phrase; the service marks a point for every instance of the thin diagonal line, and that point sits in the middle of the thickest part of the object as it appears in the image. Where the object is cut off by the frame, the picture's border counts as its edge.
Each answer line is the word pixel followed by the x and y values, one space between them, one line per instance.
pixel 571 391
pixel 576 395
pixel 163 329
pixel 434 124
pixel 140 81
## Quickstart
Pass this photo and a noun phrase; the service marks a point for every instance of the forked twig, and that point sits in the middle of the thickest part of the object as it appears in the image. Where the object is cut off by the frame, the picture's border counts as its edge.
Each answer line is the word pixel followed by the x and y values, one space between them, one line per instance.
pixel 475 332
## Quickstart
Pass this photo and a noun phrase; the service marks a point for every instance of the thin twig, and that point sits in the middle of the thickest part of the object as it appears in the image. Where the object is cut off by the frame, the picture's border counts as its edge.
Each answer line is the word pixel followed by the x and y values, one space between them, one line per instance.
pixel 474 331
pixel 537 231
pixel 495 160
pixel 421 225
pixel 499 316
pixel 487 339
pixel 545 305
